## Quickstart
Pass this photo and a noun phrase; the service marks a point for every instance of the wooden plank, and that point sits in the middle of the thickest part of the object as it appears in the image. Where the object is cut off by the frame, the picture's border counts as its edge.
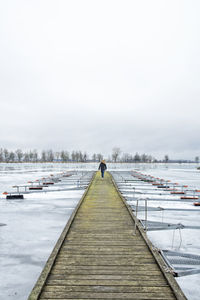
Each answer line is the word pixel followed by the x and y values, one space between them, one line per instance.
pixel 111 249
pixel 104 240
pixel 131 298
pixel 97 271
pixel 132 277
pixel 103 252
pixel 111 256
pixel 106 295
pixel 113 289
pixel 159 282
pixel 106 269
pixel 103 262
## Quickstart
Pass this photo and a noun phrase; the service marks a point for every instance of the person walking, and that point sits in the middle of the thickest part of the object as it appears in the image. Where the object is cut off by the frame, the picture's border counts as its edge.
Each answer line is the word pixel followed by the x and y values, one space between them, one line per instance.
pixel 103 167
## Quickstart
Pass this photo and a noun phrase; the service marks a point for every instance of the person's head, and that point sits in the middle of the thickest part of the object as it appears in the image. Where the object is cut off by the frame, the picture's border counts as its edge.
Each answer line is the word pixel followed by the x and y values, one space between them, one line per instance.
pixel 103 161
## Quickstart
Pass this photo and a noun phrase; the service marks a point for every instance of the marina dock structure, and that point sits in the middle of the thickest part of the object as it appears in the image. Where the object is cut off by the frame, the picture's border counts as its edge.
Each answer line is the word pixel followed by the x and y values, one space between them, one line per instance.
pixel 99 255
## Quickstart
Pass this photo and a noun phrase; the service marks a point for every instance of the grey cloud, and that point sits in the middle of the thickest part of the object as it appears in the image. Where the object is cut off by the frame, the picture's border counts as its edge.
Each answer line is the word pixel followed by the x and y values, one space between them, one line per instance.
pixel 93 75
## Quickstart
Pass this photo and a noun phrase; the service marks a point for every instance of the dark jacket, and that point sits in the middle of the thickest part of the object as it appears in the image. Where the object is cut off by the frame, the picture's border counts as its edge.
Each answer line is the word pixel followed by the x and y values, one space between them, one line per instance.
pixel 102 166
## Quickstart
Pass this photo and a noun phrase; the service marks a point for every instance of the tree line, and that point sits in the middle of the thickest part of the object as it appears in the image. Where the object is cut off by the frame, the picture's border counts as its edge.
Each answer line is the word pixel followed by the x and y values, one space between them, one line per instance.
pixel 46 156
pixel 79 156
pixel 74 156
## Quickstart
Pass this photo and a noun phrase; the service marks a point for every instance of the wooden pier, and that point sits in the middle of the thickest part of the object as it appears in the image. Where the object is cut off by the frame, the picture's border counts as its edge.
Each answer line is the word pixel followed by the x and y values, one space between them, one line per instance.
pixel 98 256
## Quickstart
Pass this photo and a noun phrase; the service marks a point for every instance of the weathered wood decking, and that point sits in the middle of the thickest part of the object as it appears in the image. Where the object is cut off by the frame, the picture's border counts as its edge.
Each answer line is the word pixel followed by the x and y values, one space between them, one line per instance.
pixel 98 257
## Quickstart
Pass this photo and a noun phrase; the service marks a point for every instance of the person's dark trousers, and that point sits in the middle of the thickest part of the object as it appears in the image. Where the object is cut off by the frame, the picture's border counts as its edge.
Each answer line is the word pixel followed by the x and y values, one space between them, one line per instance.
pixel 102 173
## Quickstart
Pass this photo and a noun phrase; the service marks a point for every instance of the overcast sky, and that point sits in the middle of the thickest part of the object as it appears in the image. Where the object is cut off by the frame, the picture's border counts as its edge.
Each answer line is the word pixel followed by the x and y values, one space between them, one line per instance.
pixel 93 75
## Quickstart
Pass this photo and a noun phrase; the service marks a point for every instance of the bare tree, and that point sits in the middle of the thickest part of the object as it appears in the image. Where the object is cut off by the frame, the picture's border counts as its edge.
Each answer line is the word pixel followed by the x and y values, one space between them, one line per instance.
pixel 35 155
pixel 80 156
pixel 64 155
pixel 94 157
pixel 26 157
pixel 85 157
pixel 144 158
pixel 1 155
pixel 77 156
pixel 43 156
pixel 150 158
pixel 166 158
pixel 137 158
pixel 73 156
pixel 11 156
pixel 50 155
pixel 57 155
pixel 31 155
pixel 126 157
pixel 99 157
pixel 19 154
pixel 115 153
pixel 6 155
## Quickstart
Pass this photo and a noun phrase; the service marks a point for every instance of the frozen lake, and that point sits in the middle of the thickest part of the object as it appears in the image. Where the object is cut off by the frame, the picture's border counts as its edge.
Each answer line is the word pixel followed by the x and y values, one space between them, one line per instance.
pixel 32 225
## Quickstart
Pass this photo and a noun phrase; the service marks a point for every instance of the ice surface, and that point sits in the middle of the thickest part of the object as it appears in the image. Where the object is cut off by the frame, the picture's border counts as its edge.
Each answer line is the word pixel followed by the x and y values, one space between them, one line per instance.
pixel 34 224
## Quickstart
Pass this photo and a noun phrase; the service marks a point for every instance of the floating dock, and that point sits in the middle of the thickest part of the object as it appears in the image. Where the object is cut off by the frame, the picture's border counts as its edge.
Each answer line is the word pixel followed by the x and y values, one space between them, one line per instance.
pixel 99 256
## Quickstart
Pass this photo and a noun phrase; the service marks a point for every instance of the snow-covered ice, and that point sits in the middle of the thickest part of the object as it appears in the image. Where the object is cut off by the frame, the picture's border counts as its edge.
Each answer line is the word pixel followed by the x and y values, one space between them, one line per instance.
pixel 34 224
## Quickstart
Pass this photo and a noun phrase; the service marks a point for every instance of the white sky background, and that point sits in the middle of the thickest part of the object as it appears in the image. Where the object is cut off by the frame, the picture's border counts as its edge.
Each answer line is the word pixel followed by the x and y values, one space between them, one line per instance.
pixel 92 75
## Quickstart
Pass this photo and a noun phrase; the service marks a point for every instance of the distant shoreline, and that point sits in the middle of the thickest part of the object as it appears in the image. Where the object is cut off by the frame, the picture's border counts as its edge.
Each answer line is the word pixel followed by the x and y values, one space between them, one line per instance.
pixel 92 162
